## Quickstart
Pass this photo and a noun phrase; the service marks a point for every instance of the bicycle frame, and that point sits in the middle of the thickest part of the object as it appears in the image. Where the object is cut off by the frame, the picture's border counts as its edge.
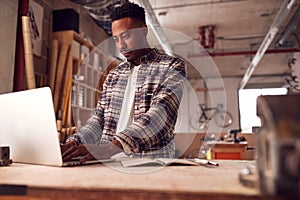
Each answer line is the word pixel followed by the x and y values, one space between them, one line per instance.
pixel 220 117
pixel 204 109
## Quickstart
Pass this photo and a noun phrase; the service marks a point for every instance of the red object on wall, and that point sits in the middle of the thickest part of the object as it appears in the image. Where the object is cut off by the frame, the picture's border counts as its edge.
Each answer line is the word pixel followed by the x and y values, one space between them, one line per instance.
pixel 202 38
pixel 207 36
pixel 211 37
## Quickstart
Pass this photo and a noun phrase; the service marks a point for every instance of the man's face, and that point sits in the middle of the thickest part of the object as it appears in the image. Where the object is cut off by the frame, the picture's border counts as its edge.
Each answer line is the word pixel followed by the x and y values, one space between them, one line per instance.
pixel 130 37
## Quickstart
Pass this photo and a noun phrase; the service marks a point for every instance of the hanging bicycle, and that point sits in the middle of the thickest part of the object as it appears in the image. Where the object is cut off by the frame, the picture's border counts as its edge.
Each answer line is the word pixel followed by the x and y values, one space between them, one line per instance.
pixel 200 121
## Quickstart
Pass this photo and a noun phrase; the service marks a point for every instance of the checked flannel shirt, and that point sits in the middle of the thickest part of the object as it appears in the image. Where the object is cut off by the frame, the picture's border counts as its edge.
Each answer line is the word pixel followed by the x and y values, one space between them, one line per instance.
pixel 158 94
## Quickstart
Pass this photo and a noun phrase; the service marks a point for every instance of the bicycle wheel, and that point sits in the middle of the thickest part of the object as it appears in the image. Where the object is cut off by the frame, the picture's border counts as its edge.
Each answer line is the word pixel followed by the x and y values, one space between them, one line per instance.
pixel 223 118
pixel 197 124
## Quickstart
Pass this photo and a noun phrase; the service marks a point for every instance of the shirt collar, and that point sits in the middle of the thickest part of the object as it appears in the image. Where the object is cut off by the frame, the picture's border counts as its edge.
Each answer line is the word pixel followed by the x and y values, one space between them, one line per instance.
pixel 149 56
pixel 145 59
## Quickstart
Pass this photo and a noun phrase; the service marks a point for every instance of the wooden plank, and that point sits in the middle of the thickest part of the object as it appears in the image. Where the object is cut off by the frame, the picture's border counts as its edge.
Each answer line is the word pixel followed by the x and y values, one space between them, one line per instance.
pixel 67 88
pixel 53 63
pixel 123 194
pixel 82 41
pixel 63 36
pixel 190 179
pixel 59 75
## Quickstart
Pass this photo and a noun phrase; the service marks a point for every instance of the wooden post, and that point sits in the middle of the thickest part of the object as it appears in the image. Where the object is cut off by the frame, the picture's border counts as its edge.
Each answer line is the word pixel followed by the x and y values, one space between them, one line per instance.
pixel 29 68
pixel 19 58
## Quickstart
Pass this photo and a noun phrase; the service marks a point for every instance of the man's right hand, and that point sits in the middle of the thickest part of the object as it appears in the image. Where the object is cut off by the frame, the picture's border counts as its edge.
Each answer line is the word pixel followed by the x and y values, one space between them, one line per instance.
pixel 91 151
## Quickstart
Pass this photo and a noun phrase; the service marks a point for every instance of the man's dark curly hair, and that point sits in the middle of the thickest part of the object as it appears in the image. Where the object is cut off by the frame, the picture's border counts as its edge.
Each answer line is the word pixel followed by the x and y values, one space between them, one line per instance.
pixel 129 10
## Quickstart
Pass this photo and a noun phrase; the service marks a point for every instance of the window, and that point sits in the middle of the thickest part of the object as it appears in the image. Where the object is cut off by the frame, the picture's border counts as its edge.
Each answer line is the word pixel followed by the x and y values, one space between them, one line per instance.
pixel 247 106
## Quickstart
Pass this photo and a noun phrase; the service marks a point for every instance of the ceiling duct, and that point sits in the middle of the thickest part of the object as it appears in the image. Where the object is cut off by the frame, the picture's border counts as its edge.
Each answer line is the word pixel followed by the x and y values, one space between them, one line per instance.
pixel 100 11
pixel 98 5
pixel 279 20
pixel 291 28
pixel 83 2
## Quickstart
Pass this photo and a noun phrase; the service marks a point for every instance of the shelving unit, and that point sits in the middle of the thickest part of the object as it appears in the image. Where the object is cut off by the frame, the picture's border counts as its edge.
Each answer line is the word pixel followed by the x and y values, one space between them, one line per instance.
pixel 82 72
pixel 84 89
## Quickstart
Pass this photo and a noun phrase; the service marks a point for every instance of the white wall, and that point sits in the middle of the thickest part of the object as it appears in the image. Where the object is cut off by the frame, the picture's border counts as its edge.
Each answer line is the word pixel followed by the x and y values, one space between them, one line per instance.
pixel 231 88
pixel 194 94
pixel 8 24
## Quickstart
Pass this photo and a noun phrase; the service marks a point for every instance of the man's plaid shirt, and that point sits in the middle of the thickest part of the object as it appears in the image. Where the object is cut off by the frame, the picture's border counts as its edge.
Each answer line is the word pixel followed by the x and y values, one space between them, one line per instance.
pixel 158 94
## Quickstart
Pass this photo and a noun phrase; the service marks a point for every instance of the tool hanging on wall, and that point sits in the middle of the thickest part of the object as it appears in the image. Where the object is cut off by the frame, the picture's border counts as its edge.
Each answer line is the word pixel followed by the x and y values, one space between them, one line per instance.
pixel 29 68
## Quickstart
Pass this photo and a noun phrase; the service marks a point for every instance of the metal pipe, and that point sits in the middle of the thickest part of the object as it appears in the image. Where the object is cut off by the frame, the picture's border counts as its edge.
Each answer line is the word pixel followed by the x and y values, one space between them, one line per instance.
pixel 197 4
pixel 291 27
pixel 239 53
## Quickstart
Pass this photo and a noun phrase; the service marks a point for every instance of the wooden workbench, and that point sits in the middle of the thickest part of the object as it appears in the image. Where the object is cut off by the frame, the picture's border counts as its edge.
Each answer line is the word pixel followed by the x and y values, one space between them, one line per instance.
pixel 115 182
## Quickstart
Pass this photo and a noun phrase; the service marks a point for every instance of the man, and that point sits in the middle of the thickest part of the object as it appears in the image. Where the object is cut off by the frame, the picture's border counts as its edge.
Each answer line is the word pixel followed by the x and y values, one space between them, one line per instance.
pixel 137 110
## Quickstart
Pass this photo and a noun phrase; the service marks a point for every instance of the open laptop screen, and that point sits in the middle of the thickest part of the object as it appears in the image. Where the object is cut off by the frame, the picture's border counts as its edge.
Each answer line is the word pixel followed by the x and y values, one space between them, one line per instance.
pixel 28 127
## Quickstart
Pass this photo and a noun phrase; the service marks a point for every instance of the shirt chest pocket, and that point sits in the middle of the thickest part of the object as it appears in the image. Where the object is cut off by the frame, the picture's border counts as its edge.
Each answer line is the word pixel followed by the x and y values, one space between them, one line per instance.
pixel 147 92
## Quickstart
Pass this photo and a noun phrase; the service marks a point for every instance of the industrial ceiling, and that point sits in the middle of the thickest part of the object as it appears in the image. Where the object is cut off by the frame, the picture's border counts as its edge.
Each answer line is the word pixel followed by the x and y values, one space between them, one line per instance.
pixel 231 31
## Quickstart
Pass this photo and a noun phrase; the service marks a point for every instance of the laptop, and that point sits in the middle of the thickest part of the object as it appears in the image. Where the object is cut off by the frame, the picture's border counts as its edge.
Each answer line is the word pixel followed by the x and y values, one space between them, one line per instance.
pixel 28 127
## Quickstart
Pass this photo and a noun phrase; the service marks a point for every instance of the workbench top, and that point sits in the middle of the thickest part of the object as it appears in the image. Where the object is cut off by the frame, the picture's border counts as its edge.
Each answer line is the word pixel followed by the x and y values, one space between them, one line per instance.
pixel 141 182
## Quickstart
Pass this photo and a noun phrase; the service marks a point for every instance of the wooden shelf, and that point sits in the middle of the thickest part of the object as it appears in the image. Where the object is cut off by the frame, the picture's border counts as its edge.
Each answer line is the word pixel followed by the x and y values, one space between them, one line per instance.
pixel 81 92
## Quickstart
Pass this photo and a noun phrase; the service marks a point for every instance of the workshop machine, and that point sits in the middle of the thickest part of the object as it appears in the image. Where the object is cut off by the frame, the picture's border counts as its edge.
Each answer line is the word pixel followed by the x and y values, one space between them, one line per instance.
pixel 278 144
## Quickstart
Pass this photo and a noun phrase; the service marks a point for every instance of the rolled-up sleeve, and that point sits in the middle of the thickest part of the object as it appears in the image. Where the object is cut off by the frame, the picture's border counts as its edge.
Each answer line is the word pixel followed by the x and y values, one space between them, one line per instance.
pixel 92 131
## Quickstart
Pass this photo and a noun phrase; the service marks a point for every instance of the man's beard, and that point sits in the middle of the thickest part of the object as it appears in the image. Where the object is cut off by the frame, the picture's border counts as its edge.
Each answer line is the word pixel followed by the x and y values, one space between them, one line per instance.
pixel 133 62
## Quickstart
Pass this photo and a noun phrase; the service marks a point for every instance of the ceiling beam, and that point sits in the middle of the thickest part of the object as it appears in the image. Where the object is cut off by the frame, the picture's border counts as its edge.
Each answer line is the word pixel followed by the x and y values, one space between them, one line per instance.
pixel 186 4
pixel 279 20
pixel 154 24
